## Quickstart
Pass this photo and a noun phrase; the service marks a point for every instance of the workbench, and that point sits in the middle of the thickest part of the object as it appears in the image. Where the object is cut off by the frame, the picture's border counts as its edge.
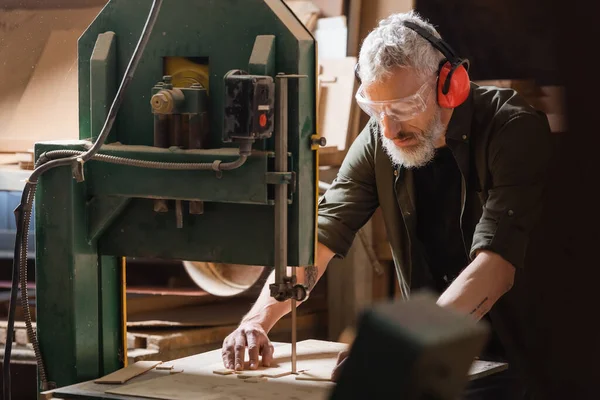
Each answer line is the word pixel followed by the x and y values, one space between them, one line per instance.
pixel 201 367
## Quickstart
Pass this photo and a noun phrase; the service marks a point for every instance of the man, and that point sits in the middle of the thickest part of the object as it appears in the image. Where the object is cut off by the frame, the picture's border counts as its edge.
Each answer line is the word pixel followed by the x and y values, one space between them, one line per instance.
pixel 459 172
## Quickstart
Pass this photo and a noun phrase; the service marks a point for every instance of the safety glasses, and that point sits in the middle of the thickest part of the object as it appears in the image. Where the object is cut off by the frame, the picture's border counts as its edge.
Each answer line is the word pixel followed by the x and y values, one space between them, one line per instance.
pixel 399 109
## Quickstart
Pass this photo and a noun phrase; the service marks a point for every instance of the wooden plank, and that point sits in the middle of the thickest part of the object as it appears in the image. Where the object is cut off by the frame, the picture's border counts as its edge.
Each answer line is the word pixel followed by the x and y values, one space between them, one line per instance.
pixel 215 314
pixel 144 304
pixel 180 339
pixel 350 288
pixel 20 332
pixel 482 368
pixel 354 41
pixel 337 86
pixel 125 374
pixel 48 107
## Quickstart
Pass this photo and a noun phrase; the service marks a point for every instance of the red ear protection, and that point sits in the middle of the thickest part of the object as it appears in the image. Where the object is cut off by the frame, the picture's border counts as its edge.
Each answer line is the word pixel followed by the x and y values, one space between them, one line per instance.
pixel 454 84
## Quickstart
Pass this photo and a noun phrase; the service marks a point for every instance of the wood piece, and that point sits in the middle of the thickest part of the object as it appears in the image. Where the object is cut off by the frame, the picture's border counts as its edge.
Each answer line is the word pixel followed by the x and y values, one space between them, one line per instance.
pixel 320 376
pixel 264 372
pixel 165 366
pixel 224 371
pixel 481 368
pixel 48 108
pixel 256 380
pixel 129 372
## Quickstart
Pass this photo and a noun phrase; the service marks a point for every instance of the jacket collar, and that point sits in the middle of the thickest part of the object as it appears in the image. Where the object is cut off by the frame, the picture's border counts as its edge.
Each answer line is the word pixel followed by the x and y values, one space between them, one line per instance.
pixel 459 126
pixel 458 134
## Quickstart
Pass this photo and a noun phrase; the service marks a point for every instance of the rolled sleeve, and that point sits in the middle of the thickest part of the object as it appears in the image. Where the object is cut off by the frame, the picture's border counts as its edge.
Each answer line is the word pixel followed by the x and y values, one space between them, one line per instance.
pixel 519 159
pixel 352 198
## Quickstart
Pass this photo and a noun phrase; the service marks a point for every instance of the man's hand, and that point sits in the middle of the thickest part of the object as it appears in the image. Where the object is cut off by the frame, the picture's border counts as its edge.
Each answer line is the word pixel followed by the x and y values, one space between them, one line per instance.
pixel 342 356
pixel 249 334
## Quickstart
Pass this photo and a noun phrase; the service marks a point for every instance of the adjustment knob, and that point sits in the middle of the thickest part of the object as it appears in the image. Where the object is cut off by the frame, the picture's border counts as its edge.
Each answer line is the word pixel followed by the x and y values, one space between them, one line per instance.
pixel 317 141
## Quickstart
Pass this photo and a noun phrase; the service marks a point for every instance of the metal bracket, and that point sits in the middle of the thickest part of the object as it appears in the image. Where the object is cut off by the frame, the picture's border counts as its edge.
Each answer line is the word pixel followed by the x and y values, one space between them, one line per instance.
pixel 279 178
pixel 282 178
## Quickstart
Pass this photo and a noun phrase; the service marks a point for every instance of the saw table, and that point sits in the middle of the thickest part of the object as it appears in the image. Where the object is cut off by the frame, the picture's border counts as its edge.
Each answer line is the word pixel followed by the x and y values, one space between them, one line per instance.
pixel 197 379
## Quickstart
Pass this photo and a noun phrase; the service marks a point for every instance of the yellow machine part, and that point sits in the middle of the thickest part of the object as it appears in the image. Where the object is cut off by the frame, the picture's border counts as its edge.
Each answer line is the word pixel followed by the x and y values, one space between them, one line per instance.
pixel 185 72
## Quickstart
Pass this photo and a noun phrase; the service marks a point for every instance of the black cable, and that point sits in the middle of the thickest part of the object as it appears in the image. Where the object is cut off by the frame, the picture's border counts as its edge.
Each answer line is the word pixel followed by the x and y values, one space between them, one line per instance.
pixel 13 298
pixel 23 211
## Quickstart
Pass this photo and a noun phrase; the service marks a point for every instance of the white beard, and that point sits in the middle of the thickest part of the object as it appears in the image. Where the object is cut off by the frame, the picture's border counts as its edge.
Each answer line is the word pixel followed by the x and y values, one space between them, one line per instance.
pixel 421 153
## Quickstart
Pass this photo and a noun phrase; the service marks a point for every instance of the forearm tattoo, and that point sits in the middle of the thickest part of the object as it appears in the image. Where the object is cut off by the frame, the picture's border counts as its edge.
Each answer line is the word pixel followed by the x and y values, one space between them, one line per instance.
pixel 310 276
pixel 481 308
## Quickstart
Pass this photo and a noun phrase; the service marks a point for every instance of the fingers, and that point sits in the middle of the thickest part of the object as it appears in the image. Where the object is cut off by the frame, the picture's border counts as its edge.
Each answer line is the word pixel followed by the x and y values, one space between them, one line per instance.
pixel 342 356
pixel 227 353
pixel 335 375
pixel 267 354
pixel 253 348
pixel 234 348
pixel 240 351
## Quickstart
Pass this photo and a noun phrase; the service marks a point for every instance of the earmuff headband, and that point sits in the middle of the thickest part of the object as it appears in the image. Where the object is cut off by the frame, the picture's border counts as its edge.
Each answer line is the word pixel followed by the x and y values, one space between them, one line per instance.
pixel 444 48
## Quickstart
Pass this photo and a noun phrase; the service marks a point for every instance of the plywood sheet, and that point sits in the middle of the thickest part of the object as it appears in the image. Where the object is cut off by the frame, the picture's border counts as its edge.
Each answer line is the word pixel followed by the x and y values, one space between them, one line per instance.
pixel 199 381
pixel 48 108
pixel 185 386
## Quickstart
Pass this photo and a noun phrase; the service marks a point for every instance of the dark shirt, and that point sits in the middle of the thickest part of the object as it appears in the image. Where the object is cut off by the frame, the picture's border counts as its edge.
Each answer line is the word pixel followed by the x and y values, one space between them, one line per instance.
pixel 504 150
pixel 437 197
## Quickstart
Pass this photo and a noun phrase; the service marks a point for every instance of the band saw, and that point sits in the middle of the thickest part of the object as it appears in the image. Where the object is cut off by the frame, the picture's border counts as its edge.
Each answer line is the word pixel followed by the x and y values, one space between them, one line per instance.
pixel 197 127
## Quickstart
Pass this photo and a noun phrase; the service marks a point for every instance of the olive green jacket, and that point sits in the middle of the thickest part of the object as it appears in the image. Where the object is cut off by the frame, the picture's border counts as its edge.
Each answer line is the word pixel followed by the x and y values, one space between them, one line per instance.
pixel 503 148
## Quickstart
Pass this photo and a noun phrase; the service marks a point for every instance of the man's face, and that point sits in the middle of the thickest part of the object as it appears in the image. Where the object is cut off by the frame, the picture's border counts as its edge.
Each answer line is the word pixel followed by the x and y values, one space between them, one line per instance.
pixel 410 142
